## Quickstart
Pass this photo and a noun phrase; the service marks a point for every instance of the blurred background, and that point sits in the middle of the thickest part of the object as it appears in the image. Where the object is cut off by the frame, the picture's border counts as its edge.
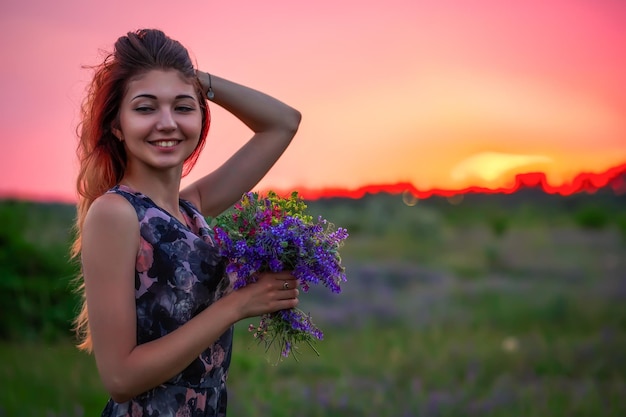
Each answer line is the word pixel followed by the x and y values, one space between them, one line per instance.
pixel 474 150
pixel 490 305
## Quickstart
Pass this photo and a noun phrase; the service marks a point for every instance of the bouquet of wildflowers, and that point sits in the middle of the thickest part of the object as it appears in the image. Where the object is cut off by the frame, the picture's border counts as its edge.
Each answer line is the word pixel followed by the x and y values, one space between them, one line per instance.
pixel 273 233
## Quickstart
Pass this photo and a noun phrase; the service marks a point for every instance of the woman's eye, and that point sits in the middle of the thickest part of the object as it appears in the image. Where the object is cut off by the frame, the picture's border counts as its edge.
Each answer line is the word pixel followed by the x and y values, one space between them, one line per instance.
pixel 184 109
pixel 143 109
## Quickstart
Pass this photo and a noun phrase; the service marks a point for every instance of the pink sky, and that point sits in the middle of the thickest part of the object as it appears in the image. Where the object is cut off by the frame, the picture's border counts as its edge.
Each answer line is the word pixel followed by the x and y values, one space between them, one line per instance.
pixel 443 94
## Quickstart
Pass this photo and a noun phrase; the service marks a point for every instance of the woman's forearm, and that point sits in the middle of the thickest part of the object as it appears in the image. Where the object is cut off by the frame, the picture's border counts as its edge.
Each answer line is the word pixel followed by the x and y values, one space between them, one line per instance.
pixel 257 110
pixel 153 363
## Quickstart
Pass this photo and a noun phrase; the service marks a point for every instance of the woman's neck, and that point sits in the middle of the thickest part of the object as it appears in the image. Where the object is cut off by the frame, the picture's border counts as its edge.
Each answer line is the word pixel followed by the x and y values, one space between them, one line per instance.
pixel 162 189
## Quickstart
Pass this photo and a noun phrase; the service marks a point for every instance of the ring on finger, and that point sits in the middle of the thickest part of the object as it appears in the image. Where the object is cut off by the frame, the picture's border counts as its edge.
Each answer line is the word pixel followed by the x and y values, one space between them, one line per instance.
pixel 285 285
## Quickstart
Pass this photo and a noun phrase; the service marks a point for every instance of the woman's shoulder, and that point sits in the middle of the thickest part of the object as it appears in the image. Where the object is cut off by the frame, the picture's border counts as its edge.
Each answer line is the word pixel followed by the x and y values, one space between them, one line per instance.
pixel 110 229
pixel 111 209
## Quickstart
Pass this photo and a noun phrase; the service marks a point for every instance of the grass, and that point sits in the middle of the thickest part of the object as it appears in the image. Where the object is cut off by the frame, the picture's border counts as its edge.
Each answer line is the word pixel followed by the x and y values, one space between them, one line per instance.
pixel 497 349
pixel 48 380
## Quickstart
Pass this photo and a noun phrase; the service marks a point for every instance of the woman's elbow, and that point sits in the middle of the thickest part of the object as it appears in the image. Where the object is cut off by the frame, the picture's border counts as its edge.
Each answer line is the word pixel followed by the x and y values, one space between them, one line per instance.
pixel 119 390
pixel 120 399
pixel 292 121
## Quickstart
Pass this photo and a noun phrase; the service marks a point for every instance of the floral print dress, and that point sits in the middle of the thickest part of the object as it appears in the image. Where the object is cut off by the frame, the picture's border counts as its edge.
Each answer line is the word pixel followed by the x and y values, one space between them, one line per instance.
pixel 178 274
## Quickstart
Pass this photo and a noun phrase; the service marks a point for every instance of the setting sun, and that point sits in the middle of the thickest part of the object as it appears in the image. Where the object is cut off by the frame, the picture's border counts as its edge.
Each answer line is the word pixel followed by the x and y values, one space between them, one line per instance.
pixel 489 169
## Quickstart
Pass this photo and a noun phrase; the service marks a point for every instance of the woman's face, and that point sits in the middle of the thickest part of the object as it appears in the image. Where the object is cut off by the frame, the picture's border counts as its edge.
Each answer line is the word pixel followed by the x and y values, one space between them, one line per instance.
pixel 160 120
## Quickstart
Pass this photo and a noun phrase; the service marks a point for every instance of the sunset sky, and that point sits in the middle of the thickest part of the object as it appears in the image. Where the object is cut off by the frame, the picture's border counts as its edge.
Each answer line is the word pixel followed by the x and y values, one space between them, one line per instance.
pixel 443 94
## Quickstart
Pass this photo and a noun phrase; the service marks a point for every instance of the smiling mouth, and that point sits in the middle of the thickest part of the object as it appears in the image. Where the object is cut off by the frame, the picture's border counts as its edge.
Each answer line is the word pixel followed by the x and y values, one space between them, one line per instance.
pixel 165 143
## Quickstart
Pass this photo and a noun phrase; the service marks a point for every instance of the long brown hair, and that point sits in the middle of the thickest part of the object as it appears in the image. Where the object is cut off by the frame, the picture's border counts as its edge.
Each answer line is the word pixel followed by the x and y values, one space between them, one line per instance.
pixel 101 156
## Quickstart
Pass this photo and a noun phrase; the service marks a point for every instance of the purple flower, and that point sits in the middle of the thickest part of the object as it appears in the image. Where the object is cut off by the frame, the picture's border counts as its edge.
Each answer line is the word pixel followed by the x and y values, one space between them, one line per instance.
pixel 274 234
pixel 275 265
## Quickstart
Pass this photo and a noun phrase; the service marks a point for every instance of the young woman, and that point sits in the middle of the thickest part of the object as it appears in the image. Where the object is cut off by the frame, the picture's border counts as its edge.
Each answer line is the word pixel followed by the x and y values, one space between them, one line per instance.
pixel 157 312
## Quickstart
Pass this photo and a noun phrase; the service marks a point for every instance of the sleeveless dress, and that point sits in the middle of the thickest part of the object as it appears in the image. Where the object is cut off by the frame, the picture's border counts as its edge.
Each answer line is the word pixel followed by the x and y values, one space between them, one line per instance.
pixel 177 275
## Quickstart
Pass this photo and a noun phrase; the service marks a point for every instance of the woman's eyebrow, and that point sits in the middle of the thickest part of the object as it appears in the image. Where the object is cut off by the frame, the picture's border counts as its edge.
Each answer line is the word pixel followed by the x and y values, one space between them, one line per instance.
pixel 153 97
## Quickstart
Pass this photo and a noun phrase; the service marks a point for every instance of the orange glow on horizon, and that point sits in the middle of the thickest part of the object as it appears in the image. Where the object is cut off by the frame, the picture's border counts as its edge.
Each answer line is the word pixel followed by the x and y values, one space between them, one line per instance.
pixel 583 182
pixel 614 178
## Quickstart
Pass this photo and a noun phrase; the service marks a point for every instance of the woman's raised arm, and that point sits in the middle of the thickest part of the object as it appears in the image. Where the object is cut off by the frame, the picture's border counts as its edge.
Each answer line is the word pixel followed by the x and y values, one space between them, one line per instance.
pixel 274 125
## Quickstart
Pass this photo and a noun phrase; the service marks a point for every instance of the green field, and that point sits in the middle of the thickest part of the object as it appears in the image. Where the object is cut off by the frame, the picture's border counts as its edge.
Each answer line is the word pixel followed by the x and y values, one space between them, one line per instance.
pixel 490 307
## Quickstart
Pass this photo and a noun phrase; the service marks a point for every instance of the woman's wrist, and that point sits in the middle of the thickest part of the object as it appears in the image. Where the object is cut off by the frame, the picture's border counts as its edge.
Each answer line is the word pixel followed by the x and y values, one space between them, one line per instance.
pixel 206 82
pixel 232 307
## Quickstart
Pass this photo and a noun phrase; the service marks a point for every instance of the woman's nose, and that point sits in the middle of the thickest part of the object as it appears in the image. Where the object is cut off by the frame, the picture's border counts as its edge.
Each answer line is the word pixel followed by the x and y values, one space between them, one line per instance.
pixel 166 120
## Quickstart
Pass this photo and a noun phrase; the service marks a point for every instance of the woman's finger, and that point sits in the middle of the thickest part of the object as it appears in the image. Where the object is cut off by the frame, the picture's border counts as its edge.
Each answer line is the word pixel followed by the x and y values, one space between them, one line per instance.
pixel 288 294
pixel 288 284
